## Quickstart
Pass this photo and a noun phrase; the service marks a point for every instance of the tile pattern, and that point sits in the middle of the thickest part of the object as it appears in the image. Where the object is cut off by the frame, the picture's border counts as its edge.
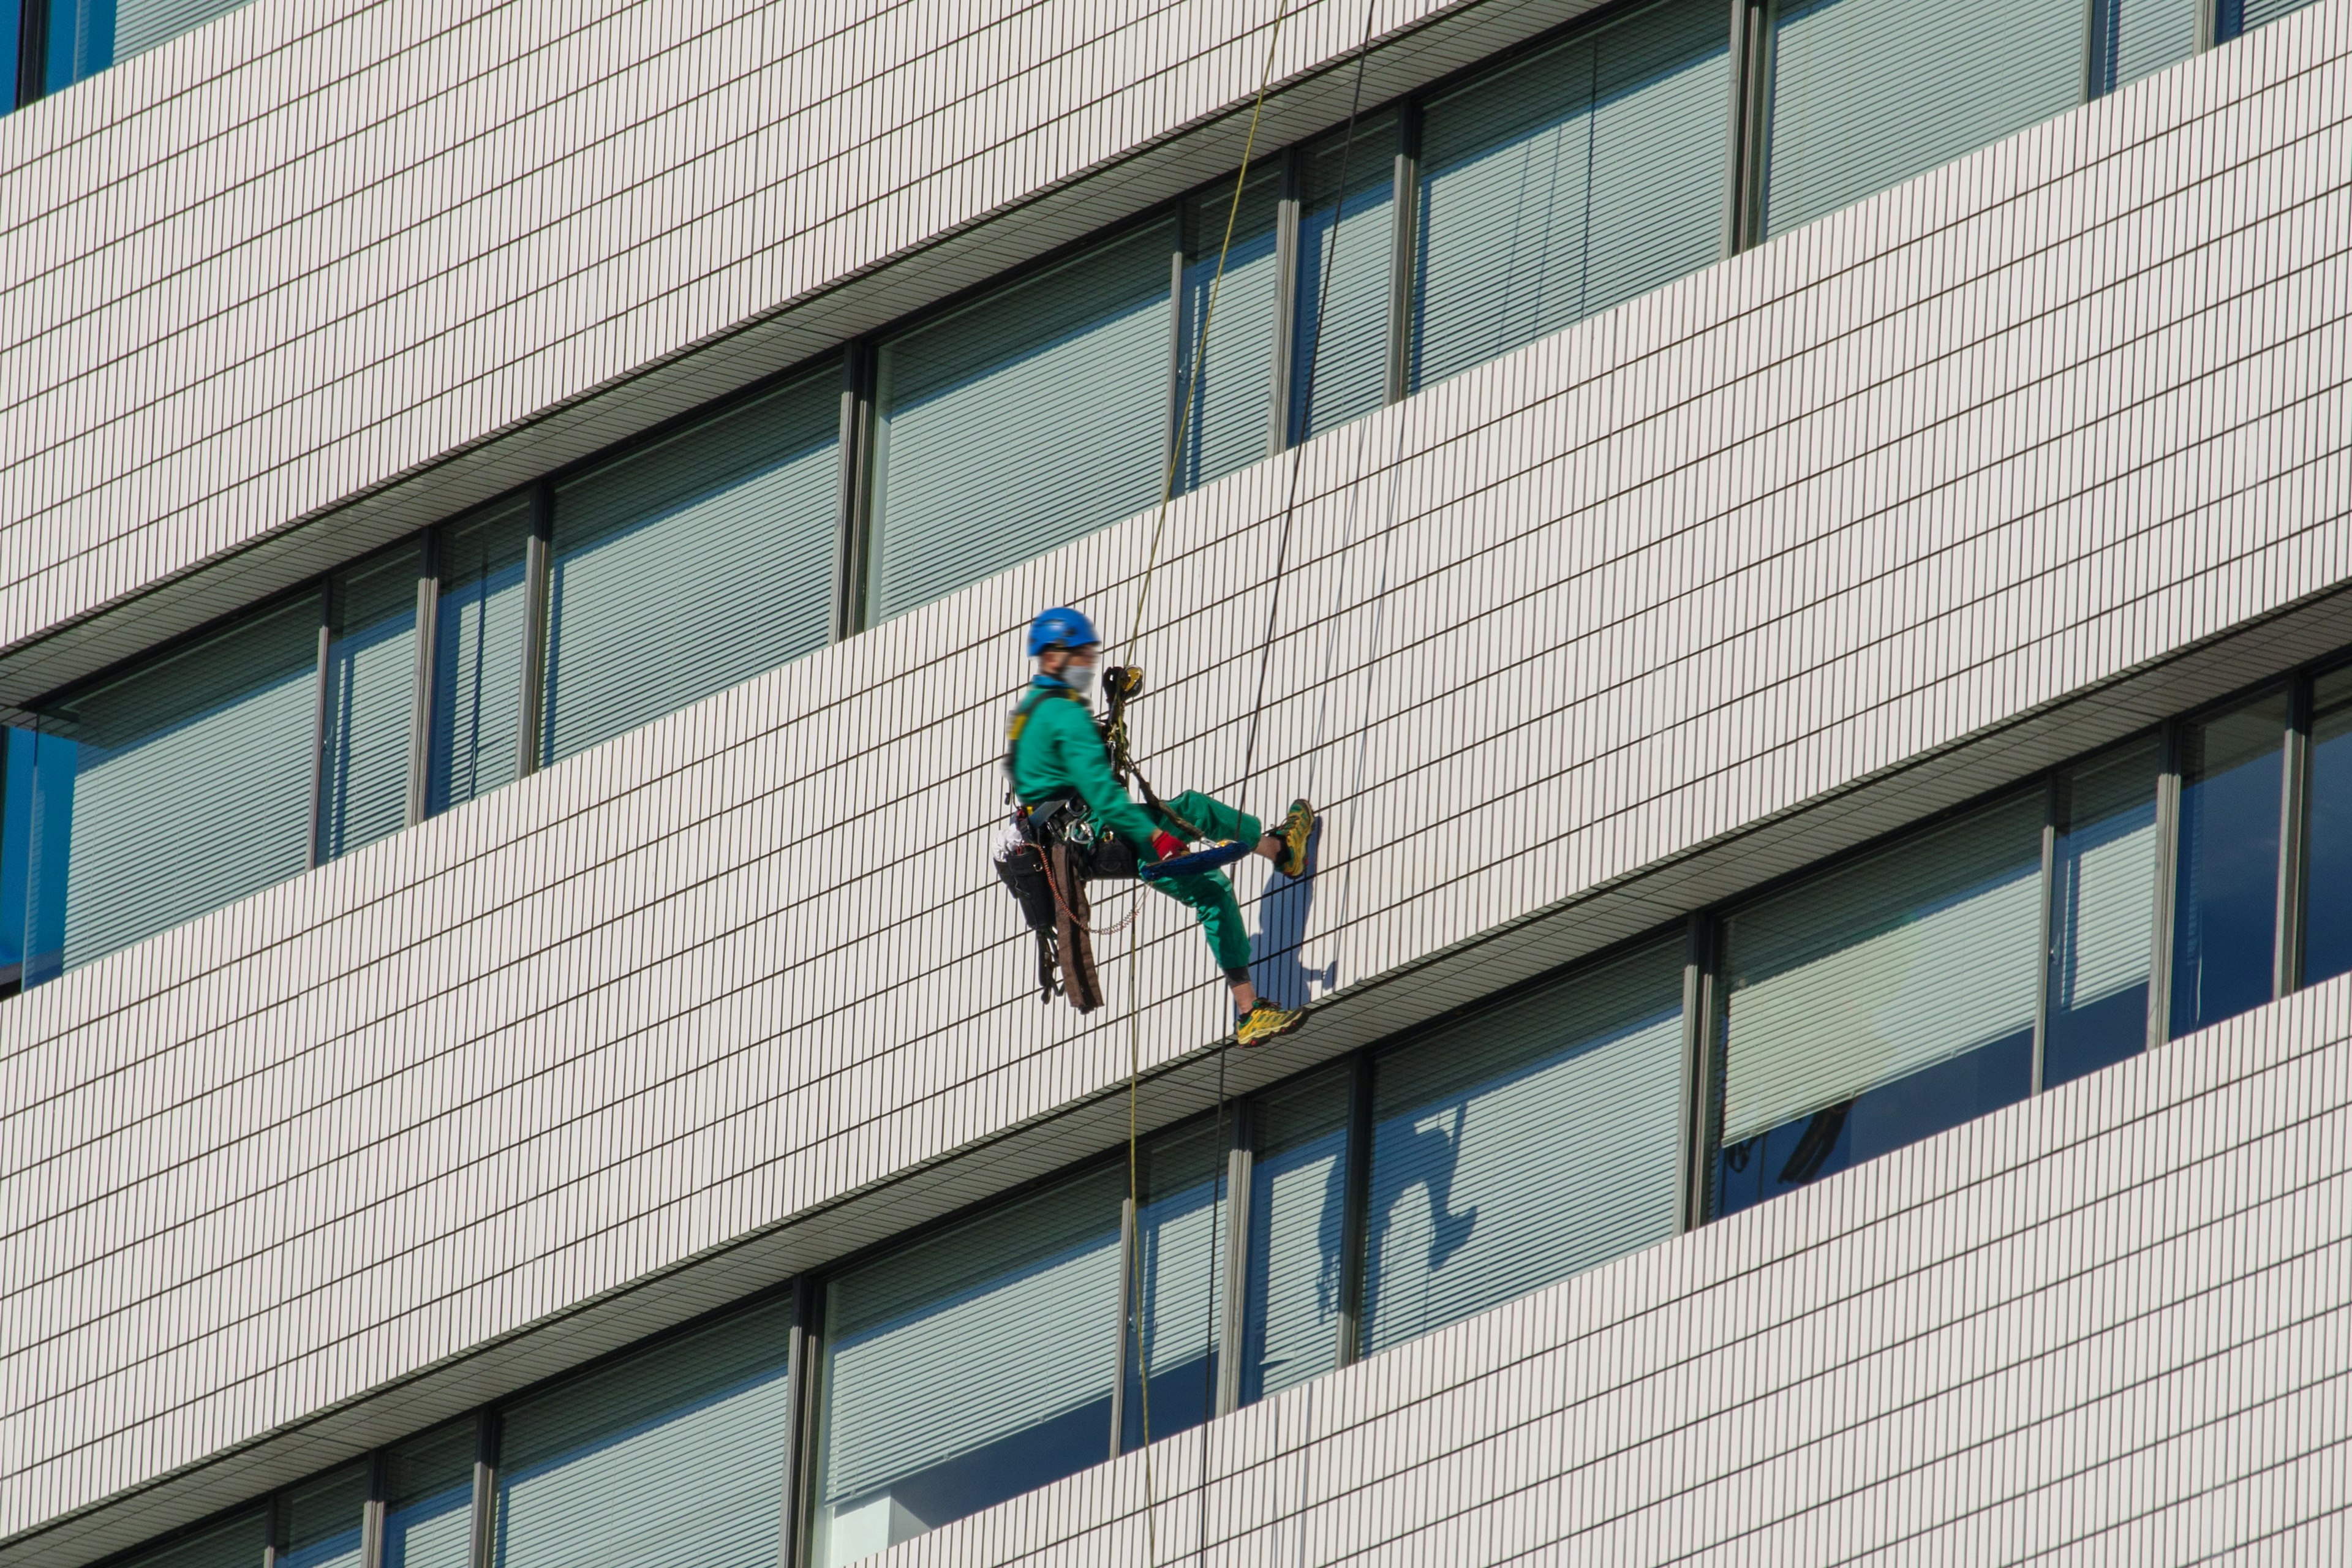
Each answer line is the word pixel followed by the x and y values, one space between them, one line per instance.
pixel 1962 472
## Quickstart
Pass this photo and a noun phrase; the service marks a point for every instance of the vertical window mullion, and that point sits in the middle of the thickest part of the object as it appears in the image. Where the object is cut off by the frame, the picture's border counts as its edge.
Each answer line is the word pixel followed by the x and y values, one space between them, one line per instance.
pixel 800 1367
pixel 2054 811
pixel 2208 24
pixel 319 720
pixel 32 53
pixel 1178 429
pixel 1286 296
pixel 1398 381
pixel 2294 794
pixel 1751 43
pixel 857 508
pixel 538 584
pixel 486 1489
pixel 2167 872
pixel 1130 1317
pixel 1232 1308
pixel 1355 1223
pixel 273 1535
pixel 428 612
pixel 1699 1046
pixel 372 1511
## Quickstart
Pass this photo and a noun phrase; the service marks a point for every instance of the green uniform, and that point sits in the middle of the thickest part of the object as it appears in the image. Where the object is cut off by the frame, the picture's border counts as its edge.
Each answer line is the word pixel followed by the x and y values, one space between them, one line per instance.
pixel 1056 751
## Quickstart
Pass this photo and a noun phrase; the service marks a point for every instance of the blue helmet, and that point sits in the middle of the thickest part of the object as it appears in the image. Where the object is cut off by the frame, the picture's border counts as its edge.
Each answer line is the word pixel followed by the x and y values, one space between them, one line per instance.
pixel 1060 628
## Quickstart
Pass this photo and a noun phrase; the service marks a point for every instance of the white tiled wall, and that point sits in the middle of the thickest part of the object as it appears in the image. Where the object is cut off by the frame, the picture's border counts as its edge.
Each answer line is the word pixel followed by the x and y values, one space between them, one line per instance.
pixel 1952 484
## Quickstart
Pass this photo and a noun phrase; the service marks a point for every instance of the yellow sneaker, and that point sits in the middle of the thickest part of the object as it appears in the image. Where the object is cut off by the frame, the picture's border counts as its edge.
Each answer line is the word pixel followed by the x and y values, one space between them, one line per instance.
pixel 1298 828
pixel 1266 1022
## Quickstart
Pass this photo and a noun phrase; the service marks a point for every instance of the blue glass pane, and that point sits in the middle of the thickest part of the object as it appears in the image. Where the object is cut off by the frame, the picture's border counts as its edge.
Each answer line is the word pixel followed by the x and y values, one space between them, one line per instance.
pixel 1340 345
pixel 1298 1200
pixel 2102 917
pixel 2225 901
pixel 12 24
pixel 1523 1145
pixel 321 1521
pixel 2327 838
pixel 1879 1121
pixel 18 749
pixel 429 1500
pixel 81 40
pixel 683 1443
pixel 1180 1229
pixel 969 1367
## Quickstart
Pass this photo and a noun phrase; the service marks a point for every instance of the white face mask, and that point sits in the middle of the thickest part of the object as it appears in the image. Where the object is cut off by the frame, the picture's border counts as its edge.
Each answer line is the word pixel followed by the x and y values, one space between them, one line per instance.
pixel 1078 678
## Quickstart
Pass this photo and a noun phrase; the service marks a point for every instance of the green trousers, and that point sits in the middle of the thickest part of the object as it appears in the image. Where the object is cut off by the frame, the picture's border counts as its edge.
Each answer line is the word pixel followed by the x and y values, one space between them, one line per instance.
pixel 1207 893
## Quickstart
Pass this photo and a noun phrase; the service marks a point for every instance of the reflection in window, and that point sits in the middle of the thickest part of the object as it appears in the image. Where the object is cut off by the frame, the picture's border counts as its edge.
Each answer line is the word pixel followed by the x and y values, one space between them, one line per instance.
pixel 1346 220
pixel 1298 1202
pixel 2225 899
pixel 1231 423
pixel 970 1367
pixel 683 1442
pixel 428 1517
pixel 692 565
pixel 1528 1143
pixel 180 787
pixel 1570 182
pixel 2102 916
pixel 1866 93
pixel 371 703
pixel 478 656
pixel 2130 38
pixel 2327 832
pixel 238 1543
pixel 2238 16
pixel 1180 1232
pixel 319 1522
pixel 1022 421
pixel 1880 1003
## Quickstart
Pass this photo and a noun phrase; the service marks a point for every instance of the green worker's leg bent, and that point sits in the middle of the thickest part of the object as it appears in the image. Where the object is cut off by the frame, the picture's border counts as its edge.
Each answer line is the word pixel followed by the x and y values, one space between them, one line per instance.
pixel 1215 819
pixel 1208 895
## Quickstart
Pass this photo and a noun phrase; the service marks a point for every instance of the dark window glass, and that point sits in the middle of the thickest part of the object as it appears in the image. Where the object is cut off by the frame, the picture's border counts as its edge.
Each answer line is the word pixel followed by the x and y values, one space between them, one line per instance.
pixel 17 750
pixel 2236 16
pixel 1180 1232
pixel 2130 38
pixel 2327 841
pixel 684 1442
pixel 87 36
pixel 1531 1142
pixel 1880 1003
pixel 1346 219
pixel 1298 1202
pixel 478 654
pixel 2102 915
pixel 970 1367
pixel 319 1522
pixel 2225 899
pixel 12 26
pixel 370 704
pixel 428 1519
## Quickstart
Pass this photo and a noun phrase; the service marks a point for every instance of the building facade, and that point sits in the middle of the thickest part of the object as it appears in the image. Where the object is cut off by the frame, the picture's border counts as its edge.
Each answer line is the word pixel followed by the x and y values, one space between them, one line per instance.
pixel 1800 546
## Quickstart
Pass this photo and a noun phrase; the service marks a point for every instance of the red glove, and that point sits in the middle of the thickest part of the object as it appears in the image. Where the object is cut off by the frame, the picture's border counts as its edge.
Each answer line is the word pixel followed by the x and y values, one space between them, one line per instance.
pixel 1166 845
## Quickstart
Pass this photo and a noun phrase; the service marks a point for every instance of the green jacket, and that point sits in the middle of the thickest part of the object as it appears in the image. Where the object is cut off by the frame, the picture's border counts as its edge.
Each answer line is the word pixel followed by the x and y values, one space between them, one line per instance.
pixel 1056 750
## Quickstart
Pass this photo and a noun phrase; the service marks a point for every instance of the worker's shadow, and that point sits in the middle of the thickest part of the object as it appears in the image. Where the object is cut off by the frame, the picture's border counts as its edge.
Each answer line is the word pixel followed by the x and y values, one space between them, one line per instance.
pixel 1282 912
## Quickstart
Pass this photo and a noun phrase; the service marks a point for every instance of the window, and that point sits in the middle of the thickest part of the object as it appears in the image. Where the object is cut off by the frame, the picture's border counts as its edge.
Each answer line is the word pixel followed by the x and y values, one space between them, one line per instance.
pixel 1297 1255
pixel 1231 423
pixel 1022 421
pixel 682 1443
pixel 428 1516
pixel 1570 182
pixel 1347 245
pixel 370 706
pixel 2326 937
pixel 2130 38
pixel 1881 1004
pixel 319 1522
pixel 687 566
pixel 1527 1144
pixel 239 1543
pixel 478 654
pixel 969 1368
pixel 178 787
pixel 2225 894
pixel 2238 16
pixel 1180 1229
pixel 2102 915
pixel 1866 93
pixel 85 36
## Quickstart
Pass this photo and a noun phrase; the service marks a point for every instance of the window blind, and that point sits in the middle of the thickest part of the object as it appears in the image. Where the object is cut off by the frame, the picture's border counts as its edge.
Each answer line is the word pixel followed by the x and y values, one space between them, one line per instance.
pixel 1022 421
pixel 370 704
pixel 1297 1206
pixel 187 782
pixel 140 25
pixel 429 1500
pixel 1180 1231
pixel 320 1520
pixel 1231 424
pixel 2225 899
pixel 1918 955
pixel 970 1367
pixel 677 1452
pixel 2131 38
pixel 2244 15
pixel 687 567
pixel 239 1543
pixel 1527 1144
pixel 478 654
pixel 1570 182
pixel 2103 916
pixel 1347 242
pixel 1866 93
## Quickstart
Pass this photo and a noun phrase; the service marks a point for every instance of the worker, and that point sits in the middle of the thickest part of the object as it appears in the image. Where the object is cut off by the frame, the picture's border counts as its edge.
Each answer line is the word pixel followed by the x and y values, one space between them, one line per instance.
pixel 1063 777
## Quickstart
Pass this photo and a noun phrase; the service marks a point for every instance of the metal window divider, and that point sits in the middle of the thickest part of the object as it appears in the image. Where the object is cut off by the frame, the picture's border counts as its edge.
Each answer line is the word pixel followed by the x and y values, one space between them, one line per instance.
pixel 1397 378
pixel 1356 1212
pixel 1743 175
pixel 1127 1321
pixel 2168 862
pixel 852 546
pixel 2054 811
pixel 1286 212
pixel 372 1511
pixel 2209 24
pixel 421 715
pixel 1232 1304
pixel 537 578
pixel 2294 875
pixel 1697 1070
pixel 1180 328
pixel 482 1542
pixel 800 1426
pixel 319 722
